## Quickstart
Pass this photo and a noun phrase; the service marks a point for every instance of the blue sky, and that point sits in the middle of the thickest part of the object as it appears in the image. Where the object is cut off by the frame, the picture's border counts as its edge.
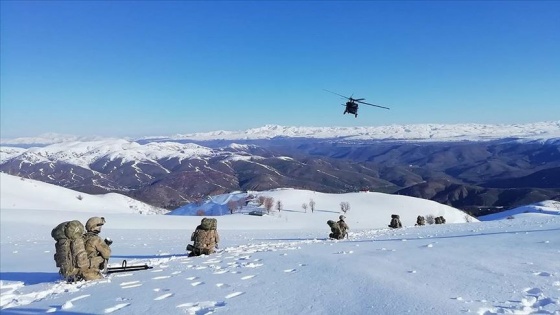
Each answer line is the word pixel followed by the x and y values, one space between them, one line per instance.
pixel 127 68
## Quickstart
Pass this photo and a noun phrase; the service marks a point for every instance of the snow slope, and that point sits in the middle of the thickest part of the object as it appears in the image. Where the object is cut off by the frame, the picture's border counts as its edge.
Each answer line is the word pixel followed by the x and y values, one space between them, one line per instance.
pixel 274 265
pixel 20 193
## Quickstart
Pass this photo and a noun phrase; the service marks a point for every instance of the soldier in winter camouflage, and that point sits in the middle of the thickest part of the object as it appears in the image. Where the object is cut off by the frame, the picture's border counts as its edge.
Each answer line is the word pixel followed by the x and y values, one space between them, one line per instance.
pixel 98 250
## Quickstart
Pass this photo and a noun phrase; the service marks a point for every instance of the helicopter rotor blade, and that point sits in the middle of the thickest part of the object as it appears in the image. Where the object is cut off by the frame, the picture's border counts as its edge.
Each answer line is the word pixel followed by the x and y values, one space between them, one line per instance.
pixel 373 105
pixel 346 97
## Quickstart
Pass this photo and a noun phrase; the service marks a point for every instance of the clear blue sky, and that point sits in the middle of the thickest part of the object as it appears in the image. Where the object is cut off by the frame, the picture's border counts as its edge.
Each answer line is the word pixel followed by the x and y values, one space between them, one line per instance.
pixel 127 68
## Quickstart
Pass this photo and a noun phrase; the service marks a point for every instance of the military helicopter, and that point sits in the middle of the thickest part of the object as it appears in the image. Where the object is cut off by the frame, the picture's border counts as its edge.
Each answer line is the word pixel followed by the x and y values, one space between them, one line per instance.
pixel 352 104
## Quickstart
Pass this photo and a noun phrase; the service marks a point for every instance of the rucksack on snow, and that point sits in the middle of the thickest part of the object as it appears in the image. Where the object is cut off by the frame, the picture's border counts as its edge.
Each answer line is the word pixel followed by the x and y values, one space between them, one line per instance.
pixel 70 255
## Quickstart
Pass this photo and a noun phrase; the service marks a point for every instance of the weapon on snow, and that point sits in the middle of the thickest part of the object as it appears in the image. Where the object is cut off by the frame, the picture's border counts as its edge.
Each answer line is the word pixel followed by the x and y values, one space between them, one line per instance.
pixel 125 268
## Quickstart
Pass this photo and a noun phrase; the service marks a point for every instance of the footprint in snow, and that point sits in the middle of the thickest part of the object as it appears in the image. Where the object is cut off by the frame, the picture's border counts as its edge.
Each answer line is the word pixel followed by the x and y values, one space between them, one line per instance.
pixel 219 272
pixel 533 291
pixel 115 308
pixel 80 297
pixel 157 270
pixel 131 284
pixel 543 274
pixel 194 284
pixel 223 285
pixel 121 275
pixel 289 270
pixel 247 277
pixel 161 277
pixel 164 296
pixel 234 294
pixel 192 278
pixel 201 308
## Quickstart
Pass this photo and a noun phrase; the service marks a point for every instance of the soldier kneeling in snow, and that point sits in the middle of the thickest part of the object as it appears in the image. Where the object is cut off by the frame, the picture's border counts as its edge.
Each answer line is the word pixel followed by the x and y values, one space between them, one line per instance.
pixel 97 249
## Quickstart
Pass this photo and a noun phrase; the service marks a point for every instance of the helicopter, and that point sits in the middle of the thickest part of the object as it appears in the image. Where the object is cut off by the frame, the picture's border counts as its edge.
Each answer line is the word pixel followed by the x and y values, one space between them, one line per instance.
pixel 352 104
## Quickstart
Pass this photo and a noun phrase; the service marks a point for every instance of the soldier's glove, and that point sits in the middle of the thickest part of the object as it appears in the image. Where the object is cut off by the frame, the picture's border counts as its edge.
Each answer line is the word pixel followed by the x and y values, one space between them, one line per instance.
pixel 108 241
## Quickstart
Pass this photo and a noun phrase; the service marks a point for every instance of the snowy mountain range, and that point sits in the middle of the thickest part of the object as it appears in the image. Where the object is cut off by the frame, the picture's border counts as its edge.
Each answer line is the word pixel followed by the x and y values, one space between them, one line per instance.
pixel 513 165
pixel 417 132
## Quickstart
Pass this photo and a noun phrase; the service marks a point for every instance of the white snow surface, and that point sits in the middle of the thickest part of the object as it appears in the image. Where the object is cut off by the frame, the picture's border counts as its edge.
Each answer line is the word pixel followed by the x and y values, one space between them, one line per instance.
pixel 283 263
pixel 24 193
pixel 416 132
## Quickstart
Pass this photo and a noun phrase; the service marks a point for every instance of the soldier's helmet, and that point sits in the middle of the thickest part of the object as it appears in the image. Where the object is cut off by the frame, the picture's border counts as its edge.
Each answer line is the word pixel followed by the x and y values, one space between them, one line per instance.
pixel 342 217
pixel 94 224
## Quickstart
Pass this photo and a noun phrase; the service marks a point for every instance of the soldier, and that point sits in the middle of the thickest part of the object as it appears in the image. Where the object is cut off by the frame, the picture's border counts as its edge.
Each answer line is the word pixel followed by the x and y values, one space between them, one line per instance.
pixel 420 220
pixel 205 238
pixel 395 221
pixel 343 226
pixel 98 250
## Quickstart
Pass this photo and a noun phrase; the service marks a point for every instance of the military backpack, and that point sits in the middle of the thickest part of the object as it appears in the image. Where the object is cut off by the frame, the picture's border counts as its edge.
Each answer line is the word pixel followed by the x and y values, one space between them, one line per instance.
pixel 70 255
pixel 209 224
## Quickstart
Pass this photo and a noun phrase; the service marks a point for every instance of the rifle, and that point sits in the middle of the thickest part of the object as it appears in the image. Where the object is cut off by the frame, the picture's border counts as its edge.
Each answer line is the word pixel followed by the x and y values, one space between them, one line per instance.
pixel 125 268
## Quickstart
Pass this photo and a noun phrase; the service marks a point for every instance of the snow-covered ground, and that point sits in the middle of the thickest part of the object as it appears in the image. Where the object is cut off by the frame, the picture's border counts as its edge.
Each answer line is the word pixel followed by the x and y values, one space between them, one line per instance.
pixel 282 263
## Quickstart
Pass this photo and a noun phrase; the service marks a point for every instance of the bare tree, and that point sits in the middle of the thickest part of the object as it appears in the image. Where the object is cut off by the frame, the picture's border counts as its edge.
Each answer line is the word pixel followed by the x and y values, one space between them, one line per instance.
pixel 231 205
pixel 304 206
pixel 279 205
pixel 344 206
pixel 198 200
pixel 268 203
pixel 312 205
pixel 430 219
pixel 241 203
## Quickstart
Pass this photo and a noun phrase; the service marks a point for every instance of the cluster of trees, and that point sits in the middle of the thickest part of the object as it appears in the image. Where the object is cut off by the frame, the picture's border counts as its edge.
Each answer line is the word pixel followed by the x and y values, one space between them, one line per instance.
pixel 268 204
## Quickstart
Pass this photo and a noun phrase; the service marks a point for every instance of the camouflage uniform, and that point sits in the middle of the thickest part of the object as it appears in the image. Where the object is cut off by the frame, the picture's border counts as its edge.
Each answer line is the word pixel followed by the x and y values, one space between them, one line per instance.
pixel 97 249
pixel 343 226
pixel 205 241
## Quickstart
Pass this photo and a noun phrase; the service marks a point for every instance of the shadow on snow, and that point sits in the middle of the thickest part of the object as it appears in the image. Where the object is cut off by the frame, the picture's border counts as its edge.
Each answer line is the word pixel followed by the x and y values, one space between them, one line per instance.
pixel 30 278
